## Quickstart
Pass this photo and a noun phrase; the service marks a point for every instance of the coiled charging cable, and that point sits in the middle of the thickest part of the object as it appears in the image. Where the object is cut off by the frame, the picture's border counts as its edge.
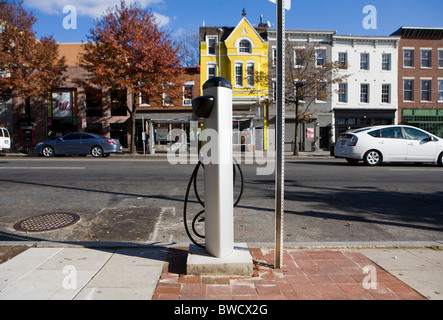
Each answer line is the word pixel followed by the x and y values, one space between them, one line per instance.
pixel 193 181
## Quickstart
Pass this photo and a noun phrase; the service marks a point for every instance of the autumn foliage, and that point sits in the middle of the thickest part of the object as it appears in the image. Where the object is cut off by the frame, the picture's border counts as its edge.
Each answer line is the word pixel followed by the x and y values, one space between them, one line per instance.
pixel 126 50
pixel 28 67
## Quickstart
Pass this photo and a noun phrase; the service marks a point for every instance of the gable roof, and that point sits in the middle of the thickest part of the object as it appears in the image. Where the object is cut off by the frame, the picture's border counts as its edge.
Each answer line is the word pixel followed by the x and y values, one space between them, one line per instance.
pixel 225 32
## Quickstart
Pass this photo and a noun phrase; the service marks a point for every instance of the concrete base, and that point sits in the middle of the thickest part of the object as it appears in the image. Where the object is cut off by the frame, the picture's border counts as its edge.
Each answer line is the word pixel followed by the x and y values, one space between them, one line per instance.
pixel 239 263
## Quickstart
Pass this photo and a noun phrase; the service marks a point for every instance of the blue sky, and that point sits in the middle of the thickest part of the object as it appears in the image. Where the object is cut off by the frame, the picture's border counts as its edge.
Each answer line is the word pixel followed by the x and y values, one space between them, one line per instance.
pixel 178 16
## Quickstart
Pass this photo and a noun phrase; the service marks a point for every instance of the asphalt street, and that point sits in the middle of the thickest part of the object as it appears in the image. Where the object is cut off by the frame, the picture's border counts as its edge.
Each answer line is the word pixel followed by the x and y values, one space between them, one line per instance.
pixel 141 199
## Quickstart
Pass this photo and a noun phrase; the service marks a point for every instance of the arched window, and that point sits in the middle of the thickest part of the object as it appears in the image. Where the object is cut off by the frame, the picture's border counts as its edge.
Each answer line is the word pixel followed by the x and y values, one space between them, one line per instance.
pixel 245 46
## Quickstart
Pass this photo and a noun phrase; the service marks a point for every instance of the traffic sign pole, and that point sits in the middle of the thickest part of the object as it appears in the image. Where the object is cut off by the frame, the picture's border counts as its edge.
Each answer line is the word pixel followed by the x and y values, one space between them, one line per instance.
pixel 280 135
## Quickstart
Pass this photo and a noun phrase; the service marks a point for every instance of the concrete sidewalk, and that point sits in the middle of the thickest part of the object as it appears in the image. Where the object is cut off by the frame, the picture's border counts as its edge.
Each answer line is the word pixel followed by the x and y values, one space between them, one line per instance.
pixel 119 271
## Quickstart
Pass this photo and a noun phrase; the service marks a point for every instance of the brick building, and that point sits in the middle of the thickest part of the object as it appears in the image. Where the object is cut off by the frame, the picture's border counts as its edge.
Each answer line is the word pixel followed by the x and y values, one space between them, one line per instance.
pixel 72 108
pixel 420 78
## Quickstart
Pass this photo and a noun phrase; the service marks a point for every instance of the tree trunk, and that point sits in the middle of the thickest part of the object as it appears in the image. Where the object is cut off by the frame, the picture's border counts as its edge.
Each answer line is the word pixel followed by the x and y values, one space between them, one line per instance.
pixel 295 153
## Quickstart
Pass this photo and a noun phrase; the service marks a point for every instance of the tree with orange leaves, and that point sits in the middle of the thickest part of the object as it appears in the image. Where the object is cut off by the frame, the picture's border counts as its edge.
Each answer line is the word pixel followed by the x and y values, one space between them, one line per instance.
pixel 28 67
pixel 126 50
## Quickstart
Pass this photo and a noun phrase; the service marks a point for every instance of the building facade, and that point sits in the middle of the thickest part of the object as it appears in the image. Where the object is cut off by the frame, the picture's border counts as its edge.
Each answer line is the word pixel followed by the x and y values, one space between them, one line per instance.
pixel 369 95
pixel 420 78
pixel 75 108
pixel 318 129
pixel 239 54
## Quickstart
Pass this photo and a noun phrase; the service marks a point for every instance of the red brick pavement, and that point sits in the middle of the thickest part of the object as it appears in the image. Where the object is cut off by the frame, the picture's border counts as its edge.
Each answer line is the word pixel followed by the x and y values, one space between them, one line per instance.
pixel 307 275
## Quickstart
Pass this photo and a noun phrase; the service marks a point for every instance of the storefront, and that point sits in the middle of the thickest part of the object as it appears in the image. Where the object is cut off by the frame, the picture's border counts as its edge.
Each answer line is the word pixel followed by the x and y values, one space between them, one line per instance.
pixel 360 118
pixel 62 111
pixel 430 120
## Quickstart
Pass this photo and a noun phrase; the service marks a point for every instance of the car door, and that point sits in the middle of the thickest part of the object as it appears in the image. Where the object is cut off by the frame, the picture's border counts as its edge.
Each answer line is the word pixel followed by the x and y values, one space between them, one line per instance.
pixel 390 141
pixel 87 142
pixel 420 146
pixel 69 144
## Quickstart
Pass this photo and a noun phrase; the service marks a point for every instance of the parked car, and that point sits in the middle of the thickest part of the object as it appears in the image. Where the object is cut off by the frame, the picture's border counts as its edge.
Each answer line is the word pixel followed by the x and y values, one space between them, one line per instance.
pixel 393 143
pixel 5 139
pixel 80 144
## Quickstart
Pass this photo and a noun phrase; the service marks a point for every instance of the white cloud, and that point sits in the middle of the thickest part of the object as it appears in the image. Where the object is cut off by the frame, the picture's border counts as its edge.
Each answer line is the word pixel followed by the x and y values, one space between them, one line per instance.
pixel 93 9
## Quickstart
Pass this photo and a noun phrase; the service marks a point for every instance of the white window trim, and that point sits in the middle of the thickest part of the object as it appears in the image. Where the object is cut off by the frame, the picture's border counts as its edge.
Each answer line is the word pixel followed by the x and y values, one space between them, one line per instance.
pixel 413 88
pixel 249 63
pixel 238 63
pixel 207 45
pixel 211 64
pixel 421 58
pixel 237 45
pixel 413 58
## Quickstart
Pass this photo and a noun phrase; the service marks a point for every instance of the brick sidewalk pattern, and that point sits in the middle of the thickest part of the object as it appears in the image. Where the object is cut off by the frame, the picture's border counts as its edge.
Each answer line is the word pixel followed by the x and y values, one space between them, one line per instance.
pixel 307 275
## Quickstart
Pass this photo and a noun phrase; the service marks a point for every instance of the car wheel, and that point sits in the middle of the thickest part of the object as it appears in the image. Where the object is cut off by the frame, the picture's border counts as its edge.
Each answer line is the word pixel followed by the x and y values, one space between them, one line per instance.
pixel 440 160
pixel 97 152
pixel 372 158
pixel 47 151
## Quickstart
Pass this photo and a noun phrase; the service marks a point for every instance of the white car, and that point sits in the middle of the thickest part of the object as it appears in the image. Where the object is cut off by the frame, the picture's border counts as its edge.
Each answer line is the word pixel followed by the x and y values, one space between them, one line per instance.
pixel 393 143
pixel 5 139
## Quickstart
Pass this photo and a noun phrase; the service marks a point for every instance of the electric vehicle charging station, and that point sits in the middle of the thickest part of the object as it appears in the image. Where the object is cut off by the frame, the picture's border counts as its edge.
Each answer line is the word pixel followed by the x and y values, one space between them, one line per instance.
pixel 215 106
pixel 219 255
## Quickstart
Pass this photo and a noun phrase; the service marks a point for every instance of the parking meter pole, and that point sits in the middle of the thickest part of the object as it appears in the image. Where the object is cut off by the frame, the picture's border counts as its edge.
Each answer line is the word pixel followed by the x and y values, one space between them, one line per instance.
pixel 218 173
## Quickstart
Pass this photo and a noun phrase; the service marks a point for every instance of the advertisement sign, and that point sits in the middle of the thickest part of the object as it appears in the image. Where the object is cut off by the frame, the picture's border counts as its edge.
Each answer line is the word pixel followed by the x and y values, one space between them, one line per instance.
pixel 310 133
pixel 62 104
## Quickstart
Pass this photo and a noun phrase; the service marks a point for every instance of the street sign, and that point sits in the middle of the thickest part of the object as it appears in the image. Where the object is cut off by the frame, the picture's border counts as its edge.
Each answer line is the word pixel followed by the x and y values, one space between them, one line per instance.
pixel 287 4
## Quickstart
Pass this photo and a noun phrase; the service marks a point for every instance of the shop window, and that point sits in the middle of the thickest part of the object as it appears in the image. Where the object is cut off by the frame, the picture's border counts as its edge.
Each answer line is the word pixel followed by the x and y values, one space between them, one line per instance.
pixel 94 105
pixel 118 103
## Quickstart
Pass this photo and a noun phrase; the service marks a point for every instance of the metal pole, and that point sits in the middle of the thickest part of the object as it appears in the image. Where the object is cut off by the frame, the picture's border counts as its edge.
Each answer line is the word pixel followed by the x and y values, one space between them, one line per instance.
pixel 280 135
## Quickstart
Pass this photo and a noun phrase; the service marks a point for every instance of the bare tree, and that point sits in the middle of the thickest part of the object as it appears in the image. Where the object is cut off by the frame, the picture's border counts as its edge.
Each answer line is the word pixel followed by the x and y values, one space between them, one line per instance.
pixel 309 77
pixel 189 48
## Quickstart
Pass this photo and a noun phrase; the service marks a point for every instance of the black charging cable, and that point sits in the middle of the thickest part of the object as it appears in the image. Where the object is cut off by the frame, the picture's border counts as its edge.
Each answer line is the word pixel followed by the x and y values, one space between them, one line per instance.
pixel 193 182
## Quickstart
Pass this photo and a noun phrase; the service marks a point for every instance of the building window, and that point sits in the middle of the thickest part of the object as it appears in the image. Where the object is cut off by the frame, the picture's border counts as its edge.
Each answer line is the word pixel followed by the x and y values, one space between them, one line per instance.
pixel 239 74
pixel 386 62
pixel 408 90
pixel 440 90
pixel 343 92
pixel 408 58
pixel 212 70
pixel 188 91
pixel 343 60
pixel 426 58
pixel 250 73
pixel 364 93
pixel 212 44
pixel 321 57
pixel 364 61
pixel 299 58
pixel 440 59
pixel 94 107
pixel 386 93
pixel 426 90
pixel 118 103
pixel 274 56
pixel 322 92
pixel 245 46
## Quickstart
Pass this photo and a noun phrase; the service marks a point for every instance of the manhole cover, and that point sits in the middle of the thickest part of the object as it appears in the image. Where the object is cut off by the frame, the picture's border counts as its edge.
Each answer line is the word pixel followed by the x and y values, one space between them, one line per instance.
pixel 46 222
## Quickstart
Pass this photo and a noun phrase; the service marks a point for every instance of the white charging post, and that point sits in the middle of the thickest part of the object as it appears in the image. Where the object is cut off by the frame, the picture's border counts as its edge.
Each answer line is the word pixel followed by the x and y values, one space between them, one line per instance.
pixel 218 172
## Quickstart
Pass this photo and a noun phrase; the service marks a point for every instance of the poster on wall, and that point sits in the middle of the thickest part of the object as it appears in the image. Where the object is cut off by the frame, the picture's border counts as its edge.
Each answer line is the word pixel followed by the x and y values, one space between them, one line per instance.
pixel 310 133
pixel 62 104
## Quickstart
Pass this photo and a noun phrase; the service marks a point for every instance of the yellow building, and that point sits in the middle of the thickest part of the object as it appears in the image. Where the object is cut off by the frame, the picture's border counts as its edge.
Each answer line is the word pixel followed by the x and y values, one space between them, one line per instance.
pixel 240 54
